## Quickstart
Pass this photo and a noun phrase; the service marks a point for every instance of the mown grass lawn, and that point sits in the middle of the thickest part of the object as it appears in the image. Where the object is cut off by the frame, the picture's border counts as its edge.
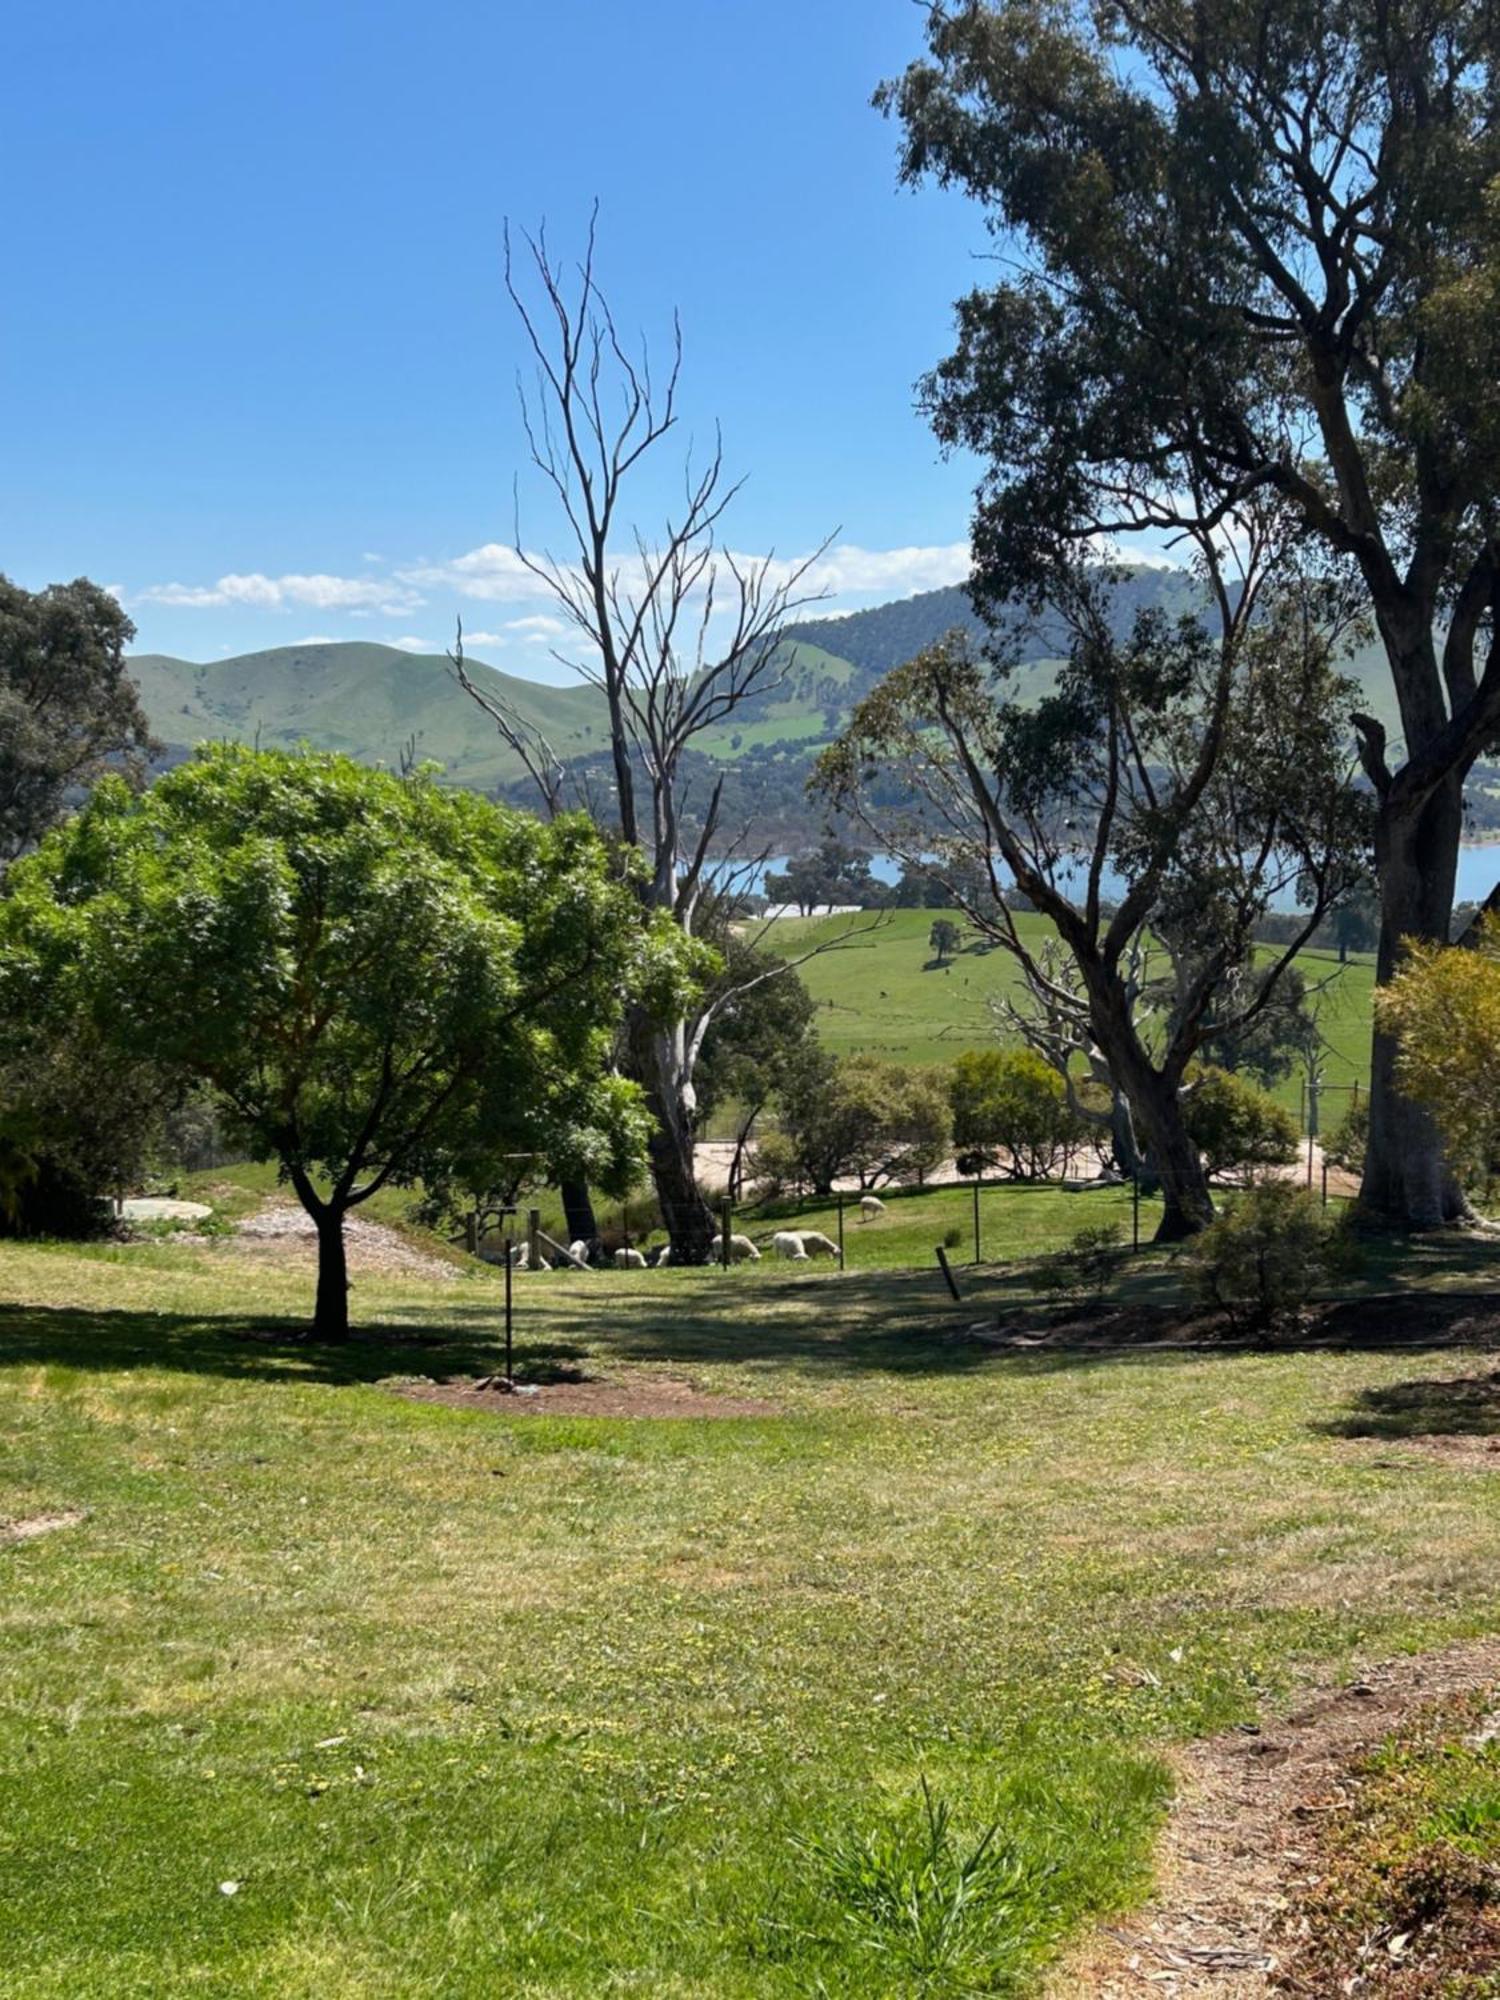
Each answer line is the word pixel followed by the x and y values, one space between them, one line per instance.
pixel 1016 1219
pixel 466 1704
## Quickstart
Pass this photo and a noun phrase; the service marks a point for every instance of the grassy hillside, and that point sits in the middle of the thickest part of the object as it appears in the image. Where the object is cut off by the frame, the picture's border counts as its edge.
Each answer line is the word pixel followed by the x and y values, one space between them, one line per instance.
pixel 883 994
pixel 367 700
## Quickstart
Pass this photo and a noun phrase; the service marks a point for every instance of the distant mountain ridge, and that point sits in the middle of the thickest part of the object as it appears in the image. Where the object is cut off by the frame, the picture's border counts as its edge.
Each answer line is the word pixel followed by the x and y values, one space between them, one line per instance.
pixel 376 702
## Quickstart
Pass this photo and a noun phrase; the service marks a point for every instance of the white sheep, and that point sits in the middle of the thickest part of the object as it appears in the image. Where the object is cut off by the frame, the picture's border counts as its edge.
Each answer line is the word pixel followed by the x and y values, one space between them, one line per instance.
pixel 741 1249
pixel 870 1206
pixel 788 1244
pixel 629 1260
pixel 663 1256
pixel 578 1250
pixel 817 1245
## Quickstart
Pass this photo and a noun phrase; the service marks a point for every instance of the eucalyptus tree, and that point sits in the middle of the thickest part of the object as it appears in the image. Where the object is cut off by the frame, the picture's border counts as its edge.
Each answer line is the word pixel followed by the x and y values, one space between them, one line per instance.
pixel 68 707
pixel 377 978
pixel 1250 246
pixel 676 632
pixel 1178 781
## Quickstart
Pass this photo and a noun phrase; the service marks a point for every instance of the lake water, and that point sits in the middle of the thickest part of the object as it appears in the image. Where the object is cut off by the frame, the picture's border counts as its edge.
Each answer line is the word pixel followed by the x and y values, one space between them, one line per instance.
pixel 1478 872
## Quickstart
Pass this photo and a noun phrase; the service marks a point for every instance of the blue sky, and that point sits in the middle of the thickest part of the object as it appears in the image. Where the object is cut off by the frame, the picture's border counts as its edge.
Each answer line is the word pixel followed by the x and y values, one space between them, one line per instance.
pixel 255 328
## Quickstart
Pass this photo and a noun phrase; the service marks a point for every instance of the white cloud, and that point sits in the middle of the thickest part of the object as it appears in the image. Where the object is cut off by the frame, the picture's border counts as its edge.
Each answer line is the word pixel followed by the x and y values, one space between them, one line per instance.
pixel 259 592
pixel 537 630
pixel 492 573
pixel 850 571
pixel 495 573
pixel 841 579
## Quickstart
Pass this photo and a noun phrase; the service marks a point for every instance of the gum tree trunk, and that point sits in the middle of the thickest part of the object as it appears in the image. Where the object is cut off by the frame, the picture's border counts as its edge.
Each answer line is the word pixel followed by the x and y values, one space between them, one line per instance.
pixel 1174 1160
pixel 660 1062
pixel 1407 1181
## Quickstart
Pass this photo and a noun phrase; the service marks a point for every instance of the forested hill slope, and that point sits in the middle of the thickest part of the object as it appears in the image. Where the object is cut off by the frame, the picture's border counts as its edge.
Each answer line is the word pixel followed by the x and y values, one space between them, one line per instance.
pixel 885 636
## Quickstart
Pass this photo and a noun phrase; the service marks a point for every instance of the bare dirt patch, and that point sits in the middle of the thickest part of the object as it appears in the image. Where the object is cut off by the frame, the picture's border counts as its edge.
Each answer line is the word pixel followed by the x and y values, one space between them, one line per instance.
pixel 1241 1844
pixel 286 1233
pixel 32 1525
pixel 650 1396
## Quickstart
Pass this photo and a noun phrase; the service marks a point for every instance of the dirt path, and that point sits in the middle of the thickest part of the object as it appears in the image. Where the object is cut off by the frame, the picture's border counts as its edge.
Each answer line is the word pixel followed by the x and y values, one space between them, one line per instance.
pixel 1240 1838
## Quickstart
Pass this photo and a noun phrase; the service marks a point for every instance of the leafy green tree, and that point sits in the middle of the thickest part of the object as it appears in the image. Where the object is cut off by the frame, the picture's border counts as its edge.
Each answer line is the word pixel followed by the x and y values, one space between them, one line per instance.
pixel 753 1040
pixel 1272 1043
pixel 1201 763
pixel 1250 249
pixel 918 1134
pixel 68 706
pixel 1266 1255
pixel 831 874
pixel 1345 1145
pixel 858 1118
pixel 77 1125
pixel 1011 1105
pixel 944 939
pixel 1235 1125
pixel 383 982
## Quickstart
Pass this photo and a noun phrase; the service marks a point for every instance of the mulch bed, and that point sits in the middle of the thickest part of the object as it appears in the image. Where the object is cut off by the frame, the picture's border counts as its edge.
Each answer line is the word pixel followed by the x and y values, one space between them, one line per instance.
pixel 649 1396
pixel 1392 1320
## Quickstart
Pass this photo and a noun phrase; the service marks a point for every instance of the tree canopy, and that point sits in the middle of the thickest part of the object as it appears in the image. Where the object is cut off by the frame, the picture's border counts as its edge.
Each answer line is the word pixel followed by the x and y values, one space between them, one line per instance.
pixel 1249 250
pixel 383 981
pixel 68 707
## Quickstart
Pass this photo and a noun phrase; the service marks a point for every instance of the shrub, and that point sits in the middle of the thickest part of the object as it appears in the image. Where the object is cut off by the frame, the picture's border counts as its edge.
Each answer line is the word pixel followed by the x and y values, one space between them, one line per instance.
pixel 1260 1262
pixel 777 1167
pixel 952 1238
pixel 1345 1144
pixel 1235 1124
pixel 1011 1103
pixel 1083 1271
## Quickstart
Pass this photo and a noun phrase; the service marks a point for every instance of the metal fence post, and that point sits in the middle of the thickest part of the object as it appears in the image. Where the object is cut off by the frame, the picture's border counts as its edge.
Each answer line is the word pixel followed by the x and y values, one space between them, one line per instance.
pixel 839 1199
pixel 943 1266
pixel 976 1218
pixel 726 1217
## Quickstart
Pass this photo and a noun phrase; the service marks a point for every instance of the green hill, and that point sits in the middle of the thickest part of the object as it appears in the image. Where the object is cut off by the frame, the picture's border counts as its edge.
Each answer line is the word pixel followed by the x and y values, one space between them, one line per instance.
pixel 368 700
pixel 372 700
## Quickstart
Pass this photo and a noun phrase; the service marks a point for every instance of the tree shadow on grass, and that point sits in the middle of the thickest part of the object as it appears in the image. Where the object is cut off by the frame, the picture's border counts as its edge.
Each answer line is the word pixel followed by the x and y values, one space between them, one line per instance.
pixel 1456 1406
pixel 897 1323
pixel 262 1347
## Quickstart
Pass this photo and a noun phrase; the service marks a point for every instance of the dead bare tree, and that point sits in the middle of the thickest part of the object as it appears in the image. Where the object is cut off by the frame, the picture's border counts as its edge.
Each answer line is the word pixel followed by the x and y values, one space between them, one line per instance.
pixel 674 630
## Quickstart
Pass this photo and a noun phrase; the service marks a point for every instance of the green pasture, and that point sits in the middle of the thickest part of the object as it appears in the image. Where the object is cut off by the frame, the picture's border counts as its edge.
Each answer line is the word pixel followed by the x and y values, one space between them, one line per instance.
pixel 882 993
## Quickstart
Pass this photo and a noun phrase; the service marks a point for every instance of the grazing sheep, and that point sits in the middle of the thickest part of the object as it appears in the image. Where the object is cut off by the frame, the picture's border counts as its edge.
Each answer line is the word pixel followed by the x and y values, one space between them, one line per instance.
pixel 629 1260
pixel 870 1206
pixel 817 1245
pixel 741 1249
pixel 663 1256
pixel 579 1251
pixel 788 1244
